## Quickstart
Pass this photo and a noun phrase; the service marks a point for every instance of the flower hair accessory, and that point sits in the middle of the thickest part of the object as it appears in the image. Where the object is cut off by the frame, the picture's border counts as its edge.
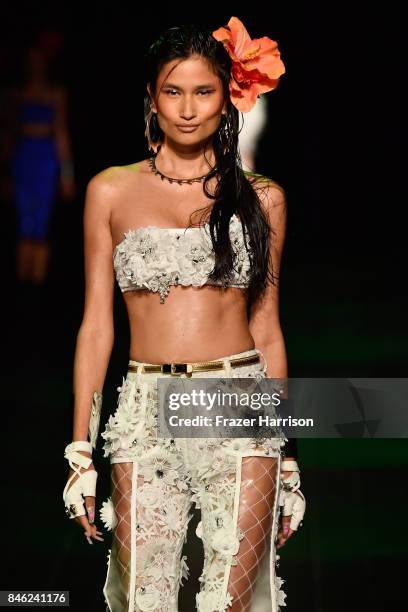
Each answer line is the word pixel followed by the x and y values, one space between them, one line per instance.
pixel 256 64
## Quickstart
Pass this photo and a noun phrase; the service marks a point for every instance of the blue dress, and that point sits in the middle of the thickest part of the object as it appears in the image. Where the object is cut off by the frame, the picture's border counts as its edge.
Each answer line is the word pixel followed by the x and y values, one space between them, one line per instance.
pixel 35 173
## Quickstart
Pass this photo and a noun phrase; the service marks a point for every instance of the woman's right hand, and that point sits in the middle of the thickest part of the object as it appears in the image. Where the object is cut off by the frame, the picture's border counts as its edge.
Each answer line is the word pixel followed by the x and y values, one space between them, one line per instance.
pixel 87 521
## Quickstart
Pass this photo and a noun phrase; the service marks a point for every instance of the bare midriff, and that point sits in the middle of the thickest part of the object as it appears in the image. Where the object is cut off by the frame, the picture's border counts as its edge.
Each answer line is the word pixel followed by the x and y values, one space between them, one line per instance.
pixel 193 324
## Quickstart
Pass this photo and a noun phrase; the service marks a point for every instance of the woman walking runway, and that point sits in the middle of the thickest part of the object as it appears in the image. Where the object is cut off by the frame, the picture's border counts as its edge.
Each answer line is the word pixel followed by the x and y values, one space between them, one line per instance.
pixel 195 244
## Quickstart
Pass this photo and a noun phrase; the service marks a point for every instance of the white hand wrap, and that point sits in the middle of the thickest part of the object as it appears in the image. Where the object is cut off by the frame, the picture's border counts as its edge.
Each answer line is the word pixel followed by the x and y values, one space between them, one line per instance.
pixel 291 498
pixel 86 482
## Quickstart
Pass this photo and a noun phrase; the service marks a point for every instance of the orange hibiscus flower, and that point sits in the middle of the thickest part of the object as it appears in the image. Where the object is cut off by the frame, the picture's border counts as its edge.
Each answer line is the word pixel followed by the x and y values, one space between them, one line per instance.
pixel 256 64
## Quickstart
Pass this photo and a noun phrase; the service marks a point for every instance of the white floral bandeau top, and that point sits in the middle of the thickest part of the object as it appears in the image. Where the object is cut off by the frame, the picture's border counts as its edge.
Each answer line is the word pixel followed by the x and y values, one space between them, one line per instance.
pixel 155 258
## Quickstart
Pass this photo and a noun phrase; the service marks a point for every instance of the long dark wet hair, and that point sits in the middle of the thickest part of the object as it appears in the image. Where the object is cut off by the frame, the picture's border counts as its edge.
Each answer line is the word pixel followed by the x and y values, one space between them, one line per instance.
pixel 234 193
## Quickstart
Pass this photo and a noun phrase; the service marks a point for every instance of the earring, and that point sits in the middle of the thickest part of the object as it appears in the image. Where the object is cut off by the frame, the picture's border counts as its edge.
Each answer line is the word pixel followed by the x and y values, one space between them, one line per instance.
pixel 153 132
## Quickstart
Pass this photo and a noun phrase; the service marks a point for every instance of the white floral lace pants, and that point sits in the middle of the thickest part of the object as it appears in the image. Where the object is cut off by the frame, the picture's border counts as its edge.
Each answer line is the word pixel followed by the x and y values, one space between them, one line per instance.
pixel 236 484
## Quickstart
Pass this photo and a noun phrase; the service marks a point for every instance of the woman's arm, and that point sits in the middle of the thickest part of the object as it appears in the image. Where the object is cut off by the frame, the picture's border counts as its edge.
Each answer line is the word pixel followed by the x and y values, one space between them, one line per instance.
pixel 265 328
pixel 63 143
pixel 93 349
pixel 96 334
pixel 264 323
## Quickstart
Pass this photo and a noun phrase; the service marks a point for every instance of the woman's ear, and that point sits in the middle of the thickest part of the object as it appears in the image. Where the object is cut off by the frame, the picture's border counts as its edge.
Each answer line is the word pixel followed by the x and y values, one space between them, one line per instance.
pixel 153 105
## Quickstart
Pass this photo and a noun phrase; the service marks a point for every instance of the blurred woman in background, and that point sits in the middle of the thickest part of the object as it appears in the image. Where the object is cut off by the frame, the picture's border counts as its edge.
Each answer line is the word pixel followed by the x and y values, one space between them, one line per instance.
pixel 37 143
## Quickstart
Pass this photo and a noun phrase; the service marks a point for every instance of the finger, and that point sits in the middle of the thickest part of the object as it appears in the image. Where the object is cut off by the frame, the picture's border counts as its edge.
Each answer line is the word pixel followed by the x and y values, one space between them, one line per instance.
pixel 96 534
pixel 98 538
pixel 90 508
pixel 285 525
pixel 290 533
pixel 83 522
pixel 283 537
pixel 88 534
pixel 88 529
pixel 284 531
pixel 281 541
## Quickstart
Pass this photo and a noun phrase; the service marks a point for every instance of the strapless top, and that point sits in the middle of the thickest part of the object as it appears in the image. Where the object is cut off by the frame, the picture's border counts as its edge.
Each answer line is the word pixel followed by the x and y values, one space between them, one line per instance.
pixel 156 258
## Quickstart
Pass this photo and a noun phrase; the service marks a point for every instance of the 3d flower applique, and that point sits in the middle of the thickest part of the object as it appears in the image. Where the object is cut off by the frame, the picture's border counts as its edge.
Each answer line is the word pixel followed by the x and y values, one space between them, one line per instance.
pixel 147 598
pixel 238 444
pixel 200 264
pixel 202 465
pixel 219 463
pixel 111 436
pixel 109 555
pixel 228 601
pixel 160 464
pixel 108 515
pixel 220 518
pixel 173 517
pixel 256 63
pixel 150 424
pixel 184 570
pixel 270 446
pixel 207 601
pixel 137 249
pixel 184 482
pixel 281 595
pixel 225 542
pixel 157 560
pixel 199 530
pixel 150 496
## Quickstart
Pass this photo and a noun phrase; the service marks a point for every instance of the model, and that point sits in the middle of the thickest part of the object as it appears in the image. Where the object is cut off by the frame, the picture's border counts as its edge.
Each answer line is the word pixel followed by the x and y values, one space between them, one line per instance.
pixel 36 135
pixel 195 244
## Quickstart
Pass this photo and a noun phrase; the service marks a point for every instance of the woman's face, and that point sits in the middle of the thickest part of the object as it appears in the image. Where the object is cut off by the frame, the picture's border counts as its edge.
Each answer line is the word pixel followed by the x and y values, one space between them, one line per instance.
pixel 189 100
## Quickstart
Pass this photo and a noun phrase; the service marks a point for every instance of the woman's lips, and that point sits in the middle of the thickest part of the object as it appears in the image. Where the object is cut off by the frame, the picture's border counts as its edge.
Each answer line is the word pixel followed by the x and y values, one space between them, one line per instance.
pixel 187 128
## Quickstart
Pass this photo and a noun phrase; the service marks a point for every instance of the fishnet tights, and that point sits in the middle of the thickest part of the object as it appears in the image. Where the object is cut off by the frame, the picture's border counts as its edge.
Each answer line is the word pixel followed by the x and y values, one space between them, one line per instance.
pixel 256 503
pixel 121 498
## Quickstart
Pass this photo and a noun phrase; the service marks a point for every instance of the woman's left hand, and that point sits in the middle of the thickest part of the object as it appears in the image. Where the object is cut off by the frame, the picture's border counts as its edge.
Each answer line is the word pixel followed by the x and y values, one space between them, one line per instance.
pixel 294 505
pixel 285 532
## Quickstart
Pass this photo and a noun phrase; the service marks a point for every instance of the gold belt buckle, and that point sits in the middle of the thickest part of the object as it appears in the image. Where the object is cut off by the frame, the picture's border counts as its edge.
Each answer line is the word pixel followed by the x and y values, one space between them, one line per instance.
pixel 176 369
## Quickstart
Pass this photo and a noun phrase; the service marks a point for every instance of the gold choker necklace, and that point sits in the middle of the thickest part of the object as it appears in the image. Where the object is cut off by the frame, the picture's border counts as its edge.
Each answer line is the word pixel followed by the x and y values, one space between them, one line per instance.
pixel 190 181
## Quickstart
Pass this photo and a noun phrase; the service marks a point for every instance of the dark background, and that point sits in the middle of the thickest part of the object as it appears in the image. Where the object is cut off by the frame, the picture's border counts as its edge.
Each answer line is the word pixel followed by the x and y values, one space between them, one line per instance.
pixel 336 141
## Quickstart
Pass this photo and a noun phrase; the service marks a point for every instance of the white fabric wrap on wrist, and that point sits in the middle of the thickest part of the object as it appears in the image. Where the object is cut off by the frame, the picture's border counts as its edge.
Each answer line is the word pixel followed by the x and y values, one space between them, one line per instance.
pixel 289 465
pixel 291 497
pixel 73 457
pixel 85 485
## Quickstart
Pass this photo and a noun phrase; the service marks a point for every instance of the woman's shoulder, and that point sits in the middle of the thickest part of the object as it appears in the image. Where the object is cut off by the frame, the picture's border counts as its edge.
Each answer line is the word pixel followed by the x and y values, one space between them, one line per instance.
pixel 118 177
pixel 113 185
pixel 268 190
pixel 262 181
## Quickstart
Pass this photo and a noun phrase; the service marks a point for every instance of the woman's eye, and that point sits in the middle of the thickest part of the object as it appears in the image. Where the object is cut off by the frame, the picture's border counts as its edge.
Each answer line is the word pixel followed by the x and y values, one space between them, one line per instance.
pixel 174 92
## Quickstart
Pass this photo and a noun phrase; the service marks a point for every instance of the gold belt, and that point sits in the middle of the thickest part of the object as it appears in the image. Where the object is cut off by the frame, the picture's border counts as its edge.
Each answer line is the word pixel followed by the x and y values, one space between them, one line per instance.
pixel 175 369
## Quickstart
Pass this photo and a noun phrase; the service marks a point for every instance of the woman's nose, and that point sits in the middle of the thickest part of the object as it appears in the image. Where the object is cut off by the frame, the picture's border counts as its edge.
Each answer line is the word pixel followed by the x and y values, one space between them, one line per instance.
pixel 187 110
